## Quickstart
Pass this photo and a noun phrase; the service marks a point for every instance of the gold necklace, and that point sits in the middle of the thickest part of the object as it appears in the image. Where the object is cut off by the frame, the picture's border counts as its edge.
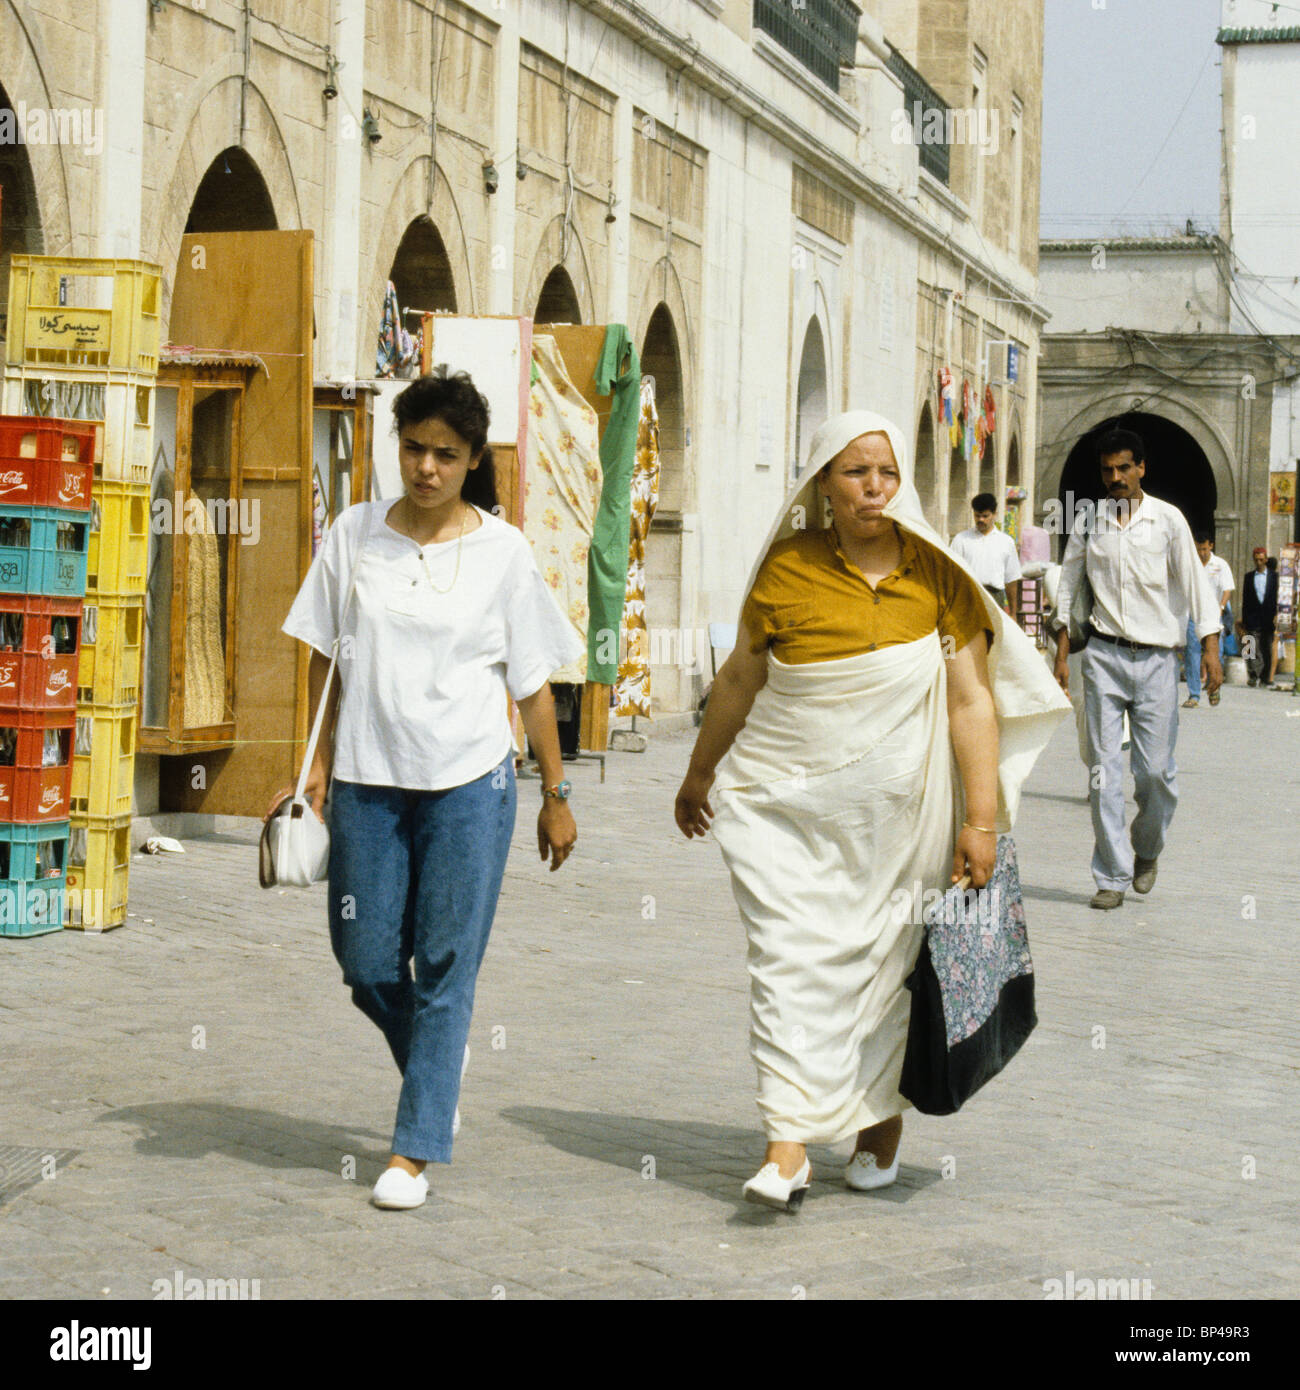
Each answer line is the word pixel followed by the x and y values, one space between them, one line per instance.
pixel 460 537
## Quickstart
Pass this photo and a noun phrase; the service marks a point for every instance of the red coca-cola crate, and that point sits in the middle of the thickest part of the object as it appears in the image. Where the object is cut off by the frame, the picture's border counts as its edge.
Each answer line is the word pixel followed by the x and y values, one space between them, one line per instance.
pixel 41 437
pixel 35 764
pixel 46 463
pixel 40 649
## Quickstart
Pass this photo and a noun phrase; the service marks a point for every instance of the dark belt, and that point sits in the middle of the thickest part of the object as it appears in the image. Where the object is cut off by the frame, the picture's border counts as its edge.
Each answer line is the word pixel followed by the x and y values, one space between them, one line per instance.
pixel 1124 642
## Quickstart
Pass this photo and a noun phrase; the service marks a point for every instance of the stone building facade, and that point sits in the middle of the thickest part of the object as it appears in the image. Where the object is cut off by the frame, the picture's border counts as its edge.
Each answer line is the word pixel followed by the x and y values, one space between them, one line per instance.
pixel 749 185
pixel 1194 339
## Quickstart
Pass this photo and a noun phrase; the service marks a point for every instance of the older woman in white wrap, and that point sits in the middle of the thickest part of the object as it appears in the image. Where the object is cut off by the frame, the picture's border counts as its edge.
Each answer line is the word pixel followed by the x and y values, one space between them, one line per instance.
pixel 869 732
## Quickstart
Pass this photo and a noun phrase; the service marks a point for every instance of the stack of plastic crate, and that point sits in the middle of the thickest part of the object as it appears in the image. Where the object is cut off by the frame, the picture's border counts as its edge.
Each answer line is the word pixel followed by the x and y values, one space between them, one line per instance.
pixel 83 344
pixel 45 486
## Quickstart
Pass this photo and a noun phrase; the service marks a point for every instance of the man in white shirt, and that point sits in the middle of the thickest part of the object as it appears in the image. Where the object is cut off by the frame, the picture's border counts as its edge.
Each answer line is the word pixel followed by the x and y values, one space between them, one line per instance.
pixel 1141 565
pixel 1220 577
pixel 990 554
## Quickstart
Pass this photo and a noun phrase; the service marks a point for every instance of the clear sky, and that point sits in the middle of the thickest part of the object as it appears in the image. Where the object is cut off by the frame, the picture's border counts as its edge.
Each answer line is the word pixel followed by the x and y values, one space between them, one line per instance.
pixel 1130 117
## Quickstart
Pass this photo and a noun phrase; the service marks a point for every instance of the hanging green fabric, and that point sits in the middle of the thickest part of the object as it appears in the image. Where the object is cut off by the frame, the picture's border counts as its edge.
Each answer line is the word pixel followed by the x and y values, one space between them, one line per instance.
pixel 619 371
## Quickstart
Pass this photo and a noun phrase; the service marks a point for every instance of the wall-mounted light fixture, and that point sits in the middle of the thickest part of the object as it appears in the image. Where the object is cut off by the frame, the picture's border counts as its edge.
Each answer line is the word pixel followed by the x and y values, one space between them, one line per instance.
pixel 370 127
pixel 491 178
pixel 331 76
pixel 521 173
pixel 610 214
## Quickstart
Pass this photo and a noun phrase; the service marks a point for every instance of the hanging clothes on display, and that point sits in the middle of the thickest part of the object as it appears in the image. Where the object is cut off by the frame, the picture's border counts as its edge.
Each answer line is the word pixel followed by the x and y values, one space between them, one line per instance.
pixel 632 693
pixel 396 348
pixel 618 371
pixel 205 656
pixel 562 487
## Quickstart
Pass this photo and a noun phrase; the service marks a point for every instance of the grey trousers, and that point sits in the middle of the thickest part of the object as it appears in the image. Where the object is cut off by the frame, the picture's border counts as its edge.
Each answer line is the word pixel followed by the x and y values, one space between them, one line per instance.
pixel 1145 684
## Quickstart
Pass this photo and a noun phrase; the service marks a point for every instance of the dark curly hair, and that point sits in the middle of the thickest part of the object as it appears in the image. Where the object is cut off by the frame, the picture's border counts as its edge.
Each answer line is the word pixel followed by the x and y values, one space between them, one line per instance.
pixel 456 401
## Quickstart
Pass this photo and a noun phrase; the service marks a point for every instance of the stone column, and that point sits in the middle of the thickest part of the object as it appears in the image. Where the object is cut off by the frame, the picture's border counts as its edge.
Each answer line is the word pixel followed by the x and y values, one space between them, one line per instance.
pixel 505 141
pixel 341 342
pixel 118 121
pixel 619 301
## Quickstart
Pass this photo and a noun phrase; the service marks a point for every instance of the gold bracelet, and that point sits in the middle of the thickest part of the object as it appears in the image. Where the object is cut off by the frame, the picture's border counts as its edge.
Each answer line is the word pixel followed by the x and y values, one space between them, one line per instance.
pixel 966 825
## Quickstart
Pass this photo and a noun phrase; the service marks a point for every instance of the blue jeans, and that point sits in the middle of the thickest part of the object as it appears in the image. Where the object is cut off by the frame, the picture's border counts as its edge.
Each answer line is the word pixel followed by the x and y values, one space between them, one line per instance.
pixel 415 876
pixel 1192 661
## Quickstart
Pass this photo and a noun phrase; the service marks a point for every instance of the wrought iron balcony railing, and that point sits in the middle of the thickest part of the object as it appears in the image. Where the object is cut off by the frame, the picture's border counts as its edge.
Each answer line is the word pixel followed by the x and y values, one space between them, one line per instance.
pixel 820 34
pixel 919 98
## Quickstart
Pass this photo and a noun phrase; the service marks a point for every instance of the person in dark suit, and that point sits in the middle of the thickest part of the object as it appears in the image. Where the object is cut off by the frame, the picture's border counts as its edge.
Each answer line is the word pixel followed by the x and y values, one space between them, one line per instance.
pixel 1258 616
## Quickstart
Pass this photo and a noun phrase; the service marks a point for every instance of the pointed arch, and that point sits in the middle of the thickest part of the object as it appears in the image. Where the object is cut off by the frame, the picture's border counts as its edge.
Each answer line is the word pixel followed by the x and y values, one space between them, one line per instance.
pixel 924 473
pixel 662 302
pixel 210 128
pixel 231 197
pixel 812 391
pixel 553 251
pixel 1118 403
pixel 409 203
pixel 24 62
pixel 557 300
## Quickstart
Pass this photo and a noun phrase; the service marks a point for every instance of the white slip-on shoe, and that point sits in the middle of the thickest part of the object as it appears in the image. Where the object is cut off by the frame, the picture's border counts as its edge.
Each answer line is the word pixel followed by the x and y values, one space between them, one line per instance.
pixel 397 1190
pixel 864 1172
pixel 455 1119
pixel 769 1188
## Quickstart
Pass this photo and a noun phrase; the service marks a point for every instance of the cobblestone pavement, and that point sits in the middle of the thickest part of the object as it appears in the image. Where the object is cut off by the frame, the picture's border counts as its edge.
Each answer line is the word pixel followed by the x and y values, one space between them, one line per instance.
pixel 205 1091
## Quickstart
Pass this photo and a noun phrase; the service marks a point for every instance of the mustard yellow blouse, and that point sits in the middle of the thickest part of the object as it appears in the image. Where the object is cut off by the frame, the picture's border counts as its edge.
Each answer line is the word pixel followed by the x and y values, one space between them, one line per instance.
pixel 809 603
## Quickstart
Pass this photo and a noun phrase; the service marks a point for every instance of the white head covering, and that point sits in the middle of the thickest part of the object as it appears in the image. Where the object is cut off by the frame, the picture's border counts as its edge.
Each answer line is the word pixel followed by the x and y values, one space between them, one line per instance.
pixel 1028 701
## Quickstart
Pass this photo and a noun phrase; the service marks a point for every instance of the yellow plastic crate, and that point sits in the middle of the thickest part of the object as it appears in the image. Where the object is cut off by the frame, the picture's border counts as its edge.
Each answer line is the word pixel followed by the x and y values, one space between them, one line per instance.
pixel 120 404
pixel 103 761
pixel 71 312
pixel 108 669
pixel 119 540
pixel 99 860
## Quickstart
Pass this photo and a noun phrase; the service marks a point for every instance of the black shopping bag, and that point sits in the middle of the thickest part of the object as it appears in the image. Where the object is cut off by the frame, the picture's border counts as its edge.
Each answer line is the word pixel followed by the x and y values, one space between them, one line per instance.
pixel 972 990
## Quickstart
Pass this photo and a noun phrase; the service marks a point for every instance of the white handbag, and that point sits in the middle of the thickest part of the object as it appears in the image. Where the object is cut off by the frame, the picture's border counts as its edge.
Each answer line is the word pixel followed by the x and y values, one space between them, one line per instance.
pixel 294 850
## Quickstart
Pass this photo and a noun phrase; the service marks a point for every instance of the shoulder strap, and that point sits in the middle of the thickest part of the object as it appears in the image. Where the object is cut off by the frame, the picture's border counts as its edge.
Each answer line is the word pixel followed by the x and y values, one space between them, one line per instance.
pixel 319 720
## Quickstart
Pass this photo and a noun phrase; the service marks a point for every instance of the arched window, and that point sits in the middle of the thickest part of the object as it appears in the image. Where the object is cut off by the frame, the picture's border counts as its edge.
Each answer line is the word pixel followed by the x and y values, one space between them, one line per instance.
pixel 421 272
pixel 813 403
pixel 232 197
pixel 20 220
pixel 661 359
pixel 924 469
pixel 1177 470
pixel 558 301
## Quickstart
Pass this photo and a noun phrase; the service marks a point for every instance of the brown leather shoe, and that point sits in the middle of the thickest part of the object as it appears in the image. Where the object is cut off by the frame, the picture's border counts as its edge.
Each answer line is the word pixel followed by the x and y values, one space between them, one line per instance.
pixel 1144 875
pixel 1106 898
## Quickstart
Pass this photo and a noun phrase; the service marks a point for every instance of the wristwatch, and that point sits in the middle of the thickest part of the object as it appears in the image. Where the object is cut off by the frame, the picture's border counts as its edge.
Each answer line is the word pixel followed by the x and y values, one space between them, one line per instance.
pixel 560 791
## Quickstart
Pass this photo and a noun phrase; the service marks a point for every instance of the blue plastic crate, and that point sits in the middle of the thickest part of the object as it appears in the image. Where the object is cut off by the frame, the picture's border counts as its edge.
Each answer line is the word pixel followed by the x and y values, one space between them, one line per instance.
pixel 32 560
pixel 31 898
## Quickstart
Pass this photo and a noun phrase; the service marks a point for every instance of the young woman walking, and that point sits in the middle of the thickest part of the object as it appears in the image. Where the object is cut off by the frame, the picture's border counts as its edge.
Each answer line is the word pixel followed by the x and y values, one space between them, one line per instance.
pixel 441 612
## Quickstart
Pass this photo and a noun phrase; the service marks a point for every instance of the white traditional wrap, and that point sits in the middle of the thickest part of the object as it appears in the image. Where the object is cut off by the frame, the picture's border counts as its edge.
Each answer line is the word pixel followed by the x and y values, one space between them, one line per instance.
pixel 840 795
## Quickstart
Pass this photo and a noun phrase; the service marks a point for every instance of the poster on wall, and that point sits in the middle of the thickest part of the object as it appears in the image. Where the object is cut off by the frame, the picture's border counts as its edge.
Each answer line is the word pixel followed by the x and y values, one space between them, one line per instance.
pixel 1281 494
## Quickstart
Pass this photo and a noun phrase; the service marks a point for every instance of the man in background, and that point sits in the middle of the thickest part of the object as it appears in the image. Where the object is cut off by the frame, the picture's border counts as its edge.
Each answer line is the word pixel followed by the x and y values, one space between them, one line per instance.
pixel 990 554
pixel 1220 577
pixel 1140 561
pixel 1258 616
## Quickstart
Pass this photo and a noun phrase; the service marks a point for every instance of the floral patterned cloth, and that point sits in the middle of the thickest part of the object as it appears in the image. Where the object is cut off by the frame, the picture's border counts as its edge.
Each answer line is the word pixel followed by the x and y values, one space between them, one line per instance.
pixel 562 479
pixel 632 692
pixel 978 942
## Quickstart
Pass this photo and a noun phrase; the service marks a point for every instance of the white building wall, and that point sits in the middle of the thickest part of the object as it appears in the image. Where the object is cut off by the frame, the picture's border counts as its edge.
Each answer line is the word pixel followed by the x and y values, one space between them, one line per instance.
pixel 1153 291
pixel 745 325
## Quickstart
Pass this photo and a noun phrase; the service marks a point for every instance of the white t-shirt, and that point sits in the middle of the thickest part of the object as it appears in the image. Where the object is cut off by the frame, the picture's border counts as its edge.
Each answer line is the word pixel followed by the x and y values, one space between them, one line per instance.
pixel 1145 575
pixel 1220 576
pixel 425 674
pixel 992 559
